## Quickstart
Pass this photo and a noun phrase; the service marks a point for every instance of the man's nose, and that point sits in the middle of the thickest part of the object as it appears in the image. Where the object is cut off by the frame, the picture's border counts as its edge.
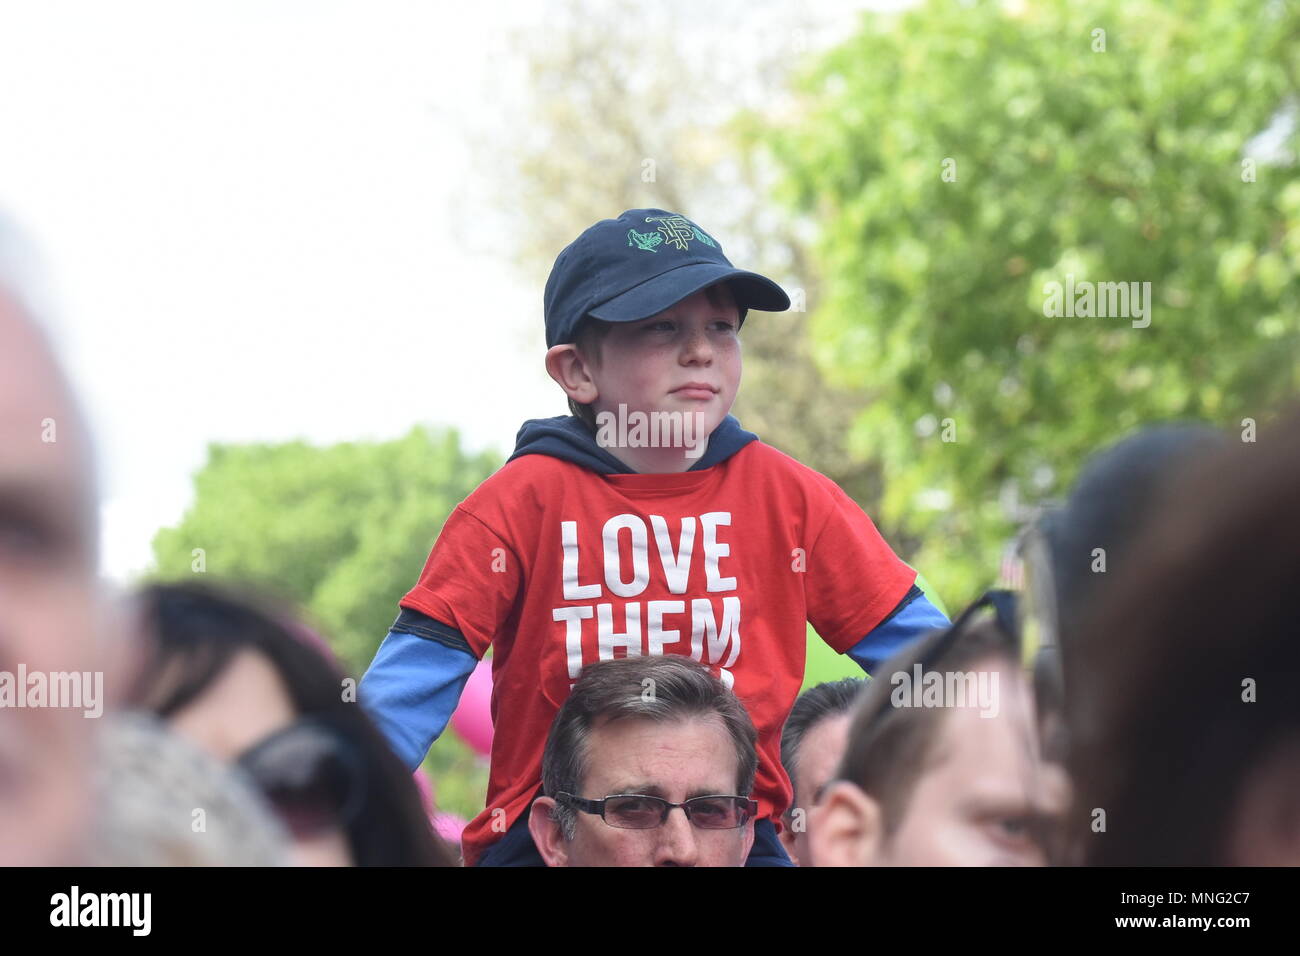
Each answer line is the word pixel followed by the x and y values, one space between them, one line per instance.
pixel 677 846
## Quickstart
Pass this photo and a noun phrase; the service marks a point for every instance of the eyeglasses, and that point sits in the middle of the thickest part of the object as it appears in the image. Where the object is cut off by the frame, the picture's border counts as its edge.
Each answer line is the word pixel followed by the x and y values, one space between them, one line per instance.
pixel 637 811
pixel 312 776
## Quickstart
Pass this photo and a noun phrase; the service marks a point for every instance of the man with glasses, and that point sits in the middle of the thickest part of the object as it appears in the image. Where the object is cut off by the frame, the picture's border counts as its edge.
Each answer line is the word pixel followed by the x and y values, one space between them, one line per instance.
pixel 650 762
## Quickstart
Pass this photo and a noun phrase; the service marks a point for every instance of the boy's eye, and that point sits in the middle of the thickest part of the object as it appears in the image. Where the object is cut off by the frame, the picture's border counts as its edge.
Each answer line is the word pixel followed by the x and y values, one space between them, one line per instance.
pixel 662 325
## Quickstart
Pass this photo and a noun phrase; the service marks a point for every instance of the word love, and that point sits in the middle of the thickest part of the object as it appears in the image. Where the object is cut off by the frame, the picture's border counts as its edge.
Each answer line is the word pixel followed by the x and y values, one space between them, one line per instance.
pixel 676 565
pixel 714 625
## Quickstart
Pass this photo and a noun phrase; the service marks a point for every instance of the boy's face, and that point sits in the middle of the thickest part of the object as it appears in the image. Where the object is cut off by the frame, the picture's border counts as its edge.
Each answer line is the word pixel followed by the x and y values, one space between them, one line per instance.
pixel 685 359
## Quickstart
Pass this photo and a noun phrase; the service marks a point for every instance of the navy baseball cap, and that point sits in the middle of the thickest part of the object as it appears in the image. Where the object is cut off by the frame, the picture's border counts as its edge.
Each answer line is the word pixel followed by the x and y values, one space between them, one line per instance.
pixel 635 266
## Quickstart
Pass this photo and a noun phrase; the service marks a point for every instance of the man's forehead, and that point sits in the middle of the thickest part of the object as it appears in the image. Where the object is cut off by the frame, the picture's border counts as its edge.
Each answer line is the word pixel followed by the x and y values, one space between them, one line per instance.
pixel 968 740
pixel 27 367
pixel 695 753
pixel 822 748
pixel 41 438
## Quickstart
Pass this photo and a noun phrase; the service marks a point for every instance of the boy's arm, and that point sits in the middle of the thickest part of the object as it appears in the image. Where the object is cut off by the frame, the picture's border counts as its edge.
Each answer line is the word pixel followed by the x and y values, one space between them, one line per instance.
pixel 862 598
pixel 914 617
pixel 414 683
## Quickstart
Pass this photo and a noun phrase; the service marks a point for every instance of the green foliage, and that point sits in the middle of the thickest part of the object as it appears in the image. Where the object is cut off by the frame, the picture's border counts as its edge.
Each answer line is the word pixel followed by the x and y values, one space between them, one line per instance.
pixel 342 531
pixel 1117 165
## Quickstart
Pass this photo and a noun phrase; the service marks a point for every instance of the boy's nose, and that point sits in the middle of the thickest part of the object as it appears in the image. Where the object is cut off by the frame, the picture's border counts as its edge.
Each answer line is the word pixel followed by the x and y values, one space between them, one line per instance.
pixel 697 348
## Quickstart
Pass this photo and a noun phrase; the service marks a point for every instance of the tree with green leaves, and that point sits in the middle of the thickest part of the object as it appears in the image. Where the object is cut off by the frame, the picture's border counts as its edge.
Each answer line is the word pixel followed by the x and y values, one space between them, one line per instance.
pixel 959 159
pixel 341 530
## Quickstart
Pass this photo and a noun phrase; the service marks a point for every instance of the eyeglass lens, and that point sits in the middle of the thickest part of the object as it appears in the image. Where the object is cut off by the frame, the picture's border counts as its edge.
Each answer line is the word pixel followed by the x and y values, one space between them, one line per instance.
pixel 645 812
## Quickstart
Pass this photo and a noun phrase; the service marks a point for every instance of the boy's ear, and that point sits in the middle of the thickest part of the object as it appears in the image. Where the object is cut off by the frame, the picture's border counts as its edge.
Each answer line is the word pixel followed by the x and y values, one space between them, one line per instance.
pixel 565 364
pixel 546 833
pixel 846 828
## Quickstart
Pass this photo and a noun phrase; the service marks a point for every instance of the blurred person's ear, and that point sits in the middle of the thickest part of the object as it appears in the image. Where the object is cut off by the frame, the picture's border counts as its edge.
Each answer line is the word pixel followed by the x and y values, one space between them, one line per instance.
pixel 546 833
pixel 1267 818
pixel 846 828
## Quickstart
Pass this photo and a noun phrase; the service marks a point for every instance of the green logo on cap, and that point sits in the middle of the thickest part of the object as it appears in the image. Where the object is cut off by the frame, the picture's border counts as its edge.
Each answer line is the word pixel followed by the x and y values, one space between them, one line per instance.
pixel 676 229
pixel 644 240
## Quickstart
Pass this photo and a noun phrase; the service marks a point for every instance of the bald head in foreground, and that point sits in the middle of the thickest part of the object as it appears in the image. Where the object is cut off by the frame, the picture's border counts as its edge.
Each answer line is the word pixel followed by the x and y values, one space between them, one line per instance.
pixel 50 606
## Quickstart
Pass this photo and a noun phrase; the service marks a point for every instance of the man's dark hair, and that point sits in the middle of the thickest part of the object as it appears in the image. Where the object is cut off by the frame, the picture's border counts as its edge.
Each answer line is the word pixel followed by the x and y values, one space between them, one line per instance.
pixel 1118 490
pixel 1167 736
pixel 660 689
pixel 813 706
pixel 890 747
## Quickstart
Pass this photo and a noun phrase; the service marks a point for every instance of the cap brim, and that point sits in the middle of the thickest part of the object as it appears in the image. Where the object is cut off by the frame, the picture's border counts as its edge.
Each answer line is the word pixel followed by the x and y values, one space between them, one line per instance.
pixel 752 291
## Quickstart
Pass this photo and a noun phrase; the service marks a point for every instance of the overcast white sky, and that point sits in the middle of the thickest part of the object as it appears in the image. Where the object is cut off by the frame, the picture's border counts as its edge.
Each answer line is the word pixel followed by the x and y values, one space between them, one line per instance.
pixel 249 210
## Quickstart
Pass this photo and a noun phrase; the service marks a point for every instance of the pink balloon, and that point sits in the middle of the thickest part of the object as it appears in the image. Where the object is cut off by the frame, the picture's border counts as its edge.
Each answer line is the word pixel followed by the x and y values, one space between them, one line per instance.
pixel 472 719
pixel 449 826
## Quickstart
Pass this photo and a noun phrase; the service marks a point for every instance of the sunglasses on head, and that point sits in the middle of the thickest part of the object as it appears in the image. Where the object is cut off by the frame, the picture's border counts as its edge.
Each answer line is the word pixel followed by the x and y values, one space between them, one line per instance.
pixel 1005 606
pixel 1006 612
pixel 311 775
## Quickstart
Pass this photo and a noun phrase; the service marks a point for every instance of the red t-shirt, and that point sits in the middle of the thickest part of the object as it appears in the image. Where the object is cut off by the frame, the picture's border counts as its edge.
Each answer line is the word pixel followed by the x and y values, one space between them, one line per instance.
pixel 557 566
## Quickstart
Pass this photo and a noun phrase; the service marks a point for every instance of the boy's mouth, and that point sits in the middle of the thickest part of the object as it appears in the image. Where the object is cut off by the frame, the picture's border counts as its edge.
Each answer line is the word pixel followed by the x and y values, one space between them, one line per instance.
pixel 700 390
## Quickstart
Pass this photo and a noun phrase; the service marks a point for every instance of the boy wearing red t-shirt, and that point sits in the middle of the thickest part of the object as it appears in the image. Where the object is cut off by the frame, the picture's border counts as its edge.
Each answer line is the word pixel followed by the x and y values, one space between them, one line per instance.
pixel 647 522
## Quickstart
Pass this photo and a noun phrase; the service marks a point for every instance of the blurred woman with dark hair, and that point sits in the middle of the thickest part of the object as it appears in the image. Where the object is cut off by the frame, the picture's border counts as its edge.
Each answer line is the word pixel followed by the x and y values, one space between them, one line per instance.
pixel 258 690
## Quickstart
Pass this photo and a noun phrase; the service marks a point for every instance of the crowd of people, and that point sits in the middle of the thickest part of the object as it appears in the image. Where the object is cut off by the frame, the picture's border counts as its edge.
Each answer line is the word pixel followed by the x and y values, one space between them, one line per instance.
pixel 1133 703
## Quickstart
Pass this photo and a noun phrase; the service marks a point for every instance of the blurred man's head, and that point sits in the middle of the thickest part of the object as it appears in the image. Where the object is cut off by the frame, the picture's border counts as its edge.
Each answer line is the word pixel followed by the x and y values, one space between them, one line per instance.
pixel 1076 553
pixel 49 607
pixel 812 744
pixel 937 774
pixel 1190 743
pixel 647 731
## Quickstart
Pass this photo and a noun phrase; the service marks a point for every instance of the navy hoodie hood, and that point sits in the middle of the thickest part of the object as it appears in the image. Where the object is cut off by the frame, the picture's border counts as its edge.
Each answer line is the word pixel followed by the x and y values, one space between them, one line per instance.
pixel 567 437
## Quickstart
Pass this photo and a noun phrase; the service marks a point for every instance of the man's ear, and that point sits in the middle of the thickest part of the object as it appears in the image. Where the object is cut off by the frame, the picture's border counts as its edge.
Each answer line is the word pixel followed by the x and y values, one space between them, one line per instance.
pixel 546 833
pixel 846 828
pixel 565 364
